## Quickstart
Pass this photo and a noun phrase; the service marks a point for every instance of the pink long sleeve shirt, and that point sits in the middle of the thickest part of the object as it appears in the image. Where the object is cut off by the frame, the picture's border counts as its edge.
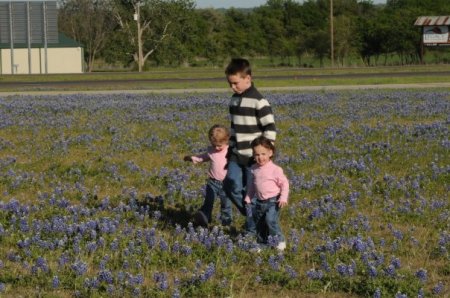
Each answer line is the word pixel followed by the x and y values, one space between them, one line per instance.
pixel 268 181
pixel 218 161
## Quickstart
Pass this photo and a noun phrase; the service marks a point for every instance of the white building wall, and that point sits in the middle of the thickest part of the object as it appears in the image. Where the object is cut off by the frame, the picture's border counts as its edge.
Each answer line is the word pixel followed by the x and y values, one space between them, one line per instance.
pixel 63 60
pixel 59 60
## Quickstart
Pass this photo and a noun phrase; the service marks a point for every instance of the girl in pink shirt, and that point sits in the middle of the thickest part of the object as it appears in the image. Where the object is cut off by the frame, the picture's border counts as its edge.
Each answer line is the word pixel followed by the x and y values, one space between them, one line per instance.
pixel 270 187
pixel 216 154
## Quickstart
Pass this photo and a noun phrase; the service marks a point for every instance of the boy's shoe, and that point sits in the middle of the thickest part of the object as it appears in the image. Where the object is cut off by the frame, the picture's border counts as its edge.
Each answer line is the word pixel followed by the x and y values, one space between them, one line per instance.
pixel 281 246
pixel 200 219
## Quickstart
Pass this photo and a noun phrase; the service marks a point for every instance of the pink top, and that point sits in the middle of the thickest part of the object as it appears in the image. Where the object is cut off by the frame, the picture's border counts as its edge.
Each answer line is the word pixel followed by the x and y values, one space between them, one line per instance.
pixel 218 162
pixel 268 181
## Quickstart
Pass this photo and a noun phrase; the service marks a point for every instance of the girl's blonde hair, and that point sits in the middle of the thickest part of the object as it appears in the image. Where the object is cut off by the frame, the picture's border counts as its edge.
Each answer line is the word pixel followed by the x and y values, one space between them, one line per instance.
pixel 218 134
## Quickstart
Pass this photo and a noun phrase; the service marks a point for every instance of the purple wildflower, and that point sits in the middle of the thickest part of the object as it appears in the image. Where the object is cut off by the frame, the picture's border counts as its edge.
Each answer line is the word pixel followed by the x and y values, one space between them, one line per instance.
pixel 437 289
pixel 421 274
pixel 55 282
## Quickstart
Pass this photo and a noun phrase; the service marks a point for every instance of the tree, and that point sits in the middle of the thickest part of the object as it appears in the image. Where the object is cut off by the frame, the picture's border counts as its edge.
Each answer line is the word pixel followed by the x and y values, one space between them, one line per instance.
pixel 147 23
pixel 88 22
pixel 318 42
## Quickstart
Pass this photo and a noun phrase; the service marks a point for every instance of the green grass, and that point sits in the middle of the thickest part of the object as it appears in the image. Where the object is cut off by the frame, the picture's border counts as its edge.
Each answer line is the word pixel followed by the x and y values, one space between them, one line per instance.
pixel 185 78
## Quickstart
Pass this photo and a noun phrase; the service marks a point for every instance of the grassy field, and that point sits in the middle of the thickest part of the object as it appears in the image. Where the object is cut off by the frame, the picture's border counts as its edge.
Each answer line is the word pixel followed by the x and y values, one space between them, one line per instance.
pixel 184 78
pixel 96 200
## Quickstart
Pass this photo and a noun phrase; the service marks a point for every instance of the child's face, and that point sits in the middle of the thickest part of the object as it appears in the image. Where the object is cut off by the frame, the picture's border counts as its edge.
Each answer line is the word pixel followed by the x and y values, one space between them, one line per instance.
pixel 219 146
pixel 262 155
pixel 239 82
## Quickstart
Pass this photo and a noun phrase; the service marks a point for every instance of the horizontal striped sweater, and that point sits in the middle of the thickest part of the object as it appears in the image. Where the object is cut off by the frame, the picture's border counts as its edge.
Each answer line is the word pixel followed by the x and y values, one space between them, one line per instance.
pixel 251 116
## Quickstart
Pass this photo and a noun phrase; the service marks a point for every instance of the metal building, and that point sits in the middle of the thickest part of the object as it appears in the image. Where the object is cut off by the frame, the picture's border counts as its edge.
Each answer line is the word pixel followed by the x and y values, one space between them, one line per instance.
pixel 30 42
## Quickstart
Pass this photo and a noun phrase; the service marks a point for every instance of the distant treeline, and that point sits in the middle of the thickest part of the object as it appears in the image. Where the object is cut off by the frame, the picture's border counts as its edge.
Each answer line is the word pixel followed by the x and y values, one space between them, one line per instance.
pixel 175 32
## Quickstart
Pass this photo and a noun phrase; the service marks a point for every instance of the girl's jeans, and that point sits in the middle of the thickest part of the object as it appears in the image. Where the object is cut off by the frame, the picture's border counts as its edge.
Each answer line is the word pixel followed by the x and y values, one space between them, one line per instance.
pixel 267 220
pixel 214 189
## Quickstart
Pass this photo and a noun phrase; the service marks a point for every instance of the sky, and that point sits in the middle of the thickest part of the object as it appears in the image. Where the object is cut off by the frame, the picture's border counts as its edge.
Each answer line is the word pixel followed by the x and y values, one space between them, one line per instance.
pixel 241 3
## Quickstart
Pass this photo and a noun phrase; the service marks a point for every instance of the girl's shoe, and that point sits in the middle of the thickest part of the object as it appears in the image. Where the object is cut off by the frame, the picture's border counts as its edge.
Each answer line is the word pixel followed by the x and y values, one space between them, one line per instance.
pixel 281 246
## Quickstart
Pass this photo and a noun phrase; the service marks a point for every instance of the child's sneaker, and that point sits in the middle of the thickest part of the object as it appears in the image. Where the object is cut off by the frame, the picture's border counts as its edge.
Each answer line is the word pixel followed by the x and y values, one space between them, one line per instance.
pixel 200 219
pixel 281 246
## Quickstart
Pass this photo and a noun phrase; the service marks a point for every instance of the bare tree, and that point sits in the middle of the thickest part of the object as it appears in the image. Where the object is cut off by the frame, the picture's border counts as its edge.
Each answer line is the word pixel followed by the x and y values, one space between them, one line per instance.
pixel 147 23
pixel 88 22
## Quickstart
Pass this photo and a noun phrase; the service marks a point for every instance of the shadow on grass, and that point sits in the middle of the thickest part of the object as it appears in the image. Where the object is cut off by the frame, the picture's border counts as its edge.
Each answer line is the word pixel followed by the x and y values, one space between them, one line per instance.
pixel 178 214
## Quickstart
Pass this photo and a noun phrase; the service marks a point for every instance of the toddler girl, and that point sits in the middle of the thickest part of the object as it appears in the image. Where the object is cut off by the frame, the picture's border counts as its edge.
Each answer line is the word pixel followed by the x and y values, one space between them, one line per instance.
pixel 270 187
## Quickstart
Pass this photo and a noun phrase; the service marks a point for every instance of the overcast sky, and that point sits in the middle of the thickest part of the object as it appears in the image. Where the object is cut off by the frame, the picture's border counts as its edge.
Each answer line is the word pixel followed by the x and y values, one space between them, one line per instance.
pixel 242 3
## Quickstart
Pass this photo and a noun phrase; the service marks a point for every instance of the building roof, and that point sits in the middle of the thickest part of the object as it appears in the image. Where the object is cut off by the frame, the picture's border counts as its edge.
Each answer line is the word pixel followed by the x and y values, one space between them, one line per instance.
pixel 433 21
pixel 28 0
pixel 64 42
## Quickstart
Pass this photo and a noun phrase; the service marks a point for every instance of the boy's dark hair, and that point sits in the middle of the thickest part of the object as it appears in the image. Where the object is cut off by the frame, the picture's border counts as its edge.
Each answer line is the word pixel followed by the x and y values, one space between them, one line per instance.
pixel 265 142
pixel 238 65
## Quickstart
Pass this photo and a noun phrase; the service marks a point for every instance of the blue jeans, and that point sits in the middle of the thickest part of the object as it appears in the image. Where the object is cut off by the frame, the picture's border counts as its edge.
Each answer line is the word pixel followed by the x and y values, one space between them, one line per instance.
pixel 214 189
pixel 267 219
pixel 235 187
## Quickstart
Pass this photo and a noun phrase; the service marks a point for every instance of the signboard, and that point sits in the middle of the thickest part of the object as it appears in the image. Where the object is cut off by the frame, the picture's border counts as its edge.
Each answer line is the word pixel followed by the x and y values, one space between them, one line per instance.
pixel 436 35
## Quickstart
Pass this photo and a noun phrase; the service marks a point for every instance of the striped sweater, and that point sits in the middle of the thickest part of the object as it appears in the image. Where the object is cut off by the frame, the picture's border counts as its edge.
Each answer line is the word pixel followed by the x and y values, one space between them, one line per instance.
pixel 251 116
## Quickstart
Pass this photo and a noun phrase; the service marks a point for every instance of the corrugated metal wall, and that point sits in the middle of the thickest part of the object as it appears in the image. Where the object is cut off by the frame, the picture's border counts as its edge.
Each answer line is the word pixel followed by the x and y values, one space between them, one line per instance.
pixel 40 12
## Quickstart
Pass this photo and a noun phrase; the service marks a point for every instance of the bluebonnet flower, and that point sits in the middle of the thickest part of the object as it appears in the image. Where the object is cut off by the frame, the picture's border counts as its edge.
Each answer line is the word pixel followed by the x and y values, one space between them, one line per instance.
pixel 273 241
pixel 41 263
pixel 163 285
pixel 121 276
pixel 421 274
pixel 136 291
pixel 163 245
pixel 208 273
pixel 398 234
pixel 159 276
pixel 421 293
pixel 400 295
pixel 314 274
pixel 79 267
pixel 105 276
pixel 114 246
pixel 395 262
pixel 373 271
pixel 186 250
pixel 291 272
pixel 176 293
pixel 377 293
pixel 390 270
pixel 55 282
pixel 274 262
pixel 438 288
pixel 137 279
pixel 2 287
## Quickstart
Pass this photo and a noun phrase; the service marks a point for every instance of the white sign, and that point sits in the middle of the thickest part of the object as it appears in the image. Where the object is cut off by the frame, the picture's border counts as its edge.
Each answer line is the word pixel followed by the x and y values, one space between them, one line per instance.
pixel 435 34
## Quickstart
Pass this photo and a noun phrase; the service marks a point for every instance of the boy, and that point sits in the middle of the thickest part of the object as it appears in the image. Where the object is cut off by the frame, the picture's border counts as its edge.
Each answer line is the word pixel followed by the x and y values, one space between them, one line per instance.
pixel 251 116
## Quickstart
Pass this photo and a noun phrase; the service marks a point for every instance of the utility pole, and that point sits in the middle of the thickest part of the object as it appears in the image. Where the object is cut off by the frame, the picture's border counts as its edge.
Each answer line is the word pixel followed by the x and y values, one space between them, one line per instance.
pixel 331 34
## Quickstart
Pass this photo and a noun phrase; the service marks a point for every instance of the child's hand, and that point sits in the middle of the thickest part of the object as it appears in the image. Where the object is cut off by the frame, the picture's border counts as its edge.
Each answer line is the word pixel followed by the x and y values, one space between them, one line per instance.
pixel 247 200
pixel 282 204
pixel 187 158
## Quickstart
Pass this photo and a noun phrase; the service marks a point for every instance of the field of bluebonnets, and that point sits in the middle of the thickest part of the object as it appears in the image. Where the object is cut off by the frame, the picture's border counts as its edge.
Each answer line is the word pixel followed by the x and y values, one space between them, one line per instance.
pixel 96 200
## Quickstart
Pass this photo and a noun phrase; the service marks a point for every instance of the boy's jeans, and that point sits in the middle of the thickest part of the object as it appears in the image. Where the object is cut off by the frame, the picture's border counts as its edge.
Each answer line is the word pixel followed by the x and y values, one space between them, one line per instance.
pixel 214 189
pixel 267 219
pixel 234 185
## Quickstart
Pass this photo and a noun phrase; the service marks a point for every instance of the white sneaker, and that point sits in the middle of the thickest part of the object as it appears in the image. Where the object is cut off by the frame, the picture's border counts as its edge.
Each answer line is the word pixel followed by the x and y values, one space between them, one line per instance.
pixel 281 246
